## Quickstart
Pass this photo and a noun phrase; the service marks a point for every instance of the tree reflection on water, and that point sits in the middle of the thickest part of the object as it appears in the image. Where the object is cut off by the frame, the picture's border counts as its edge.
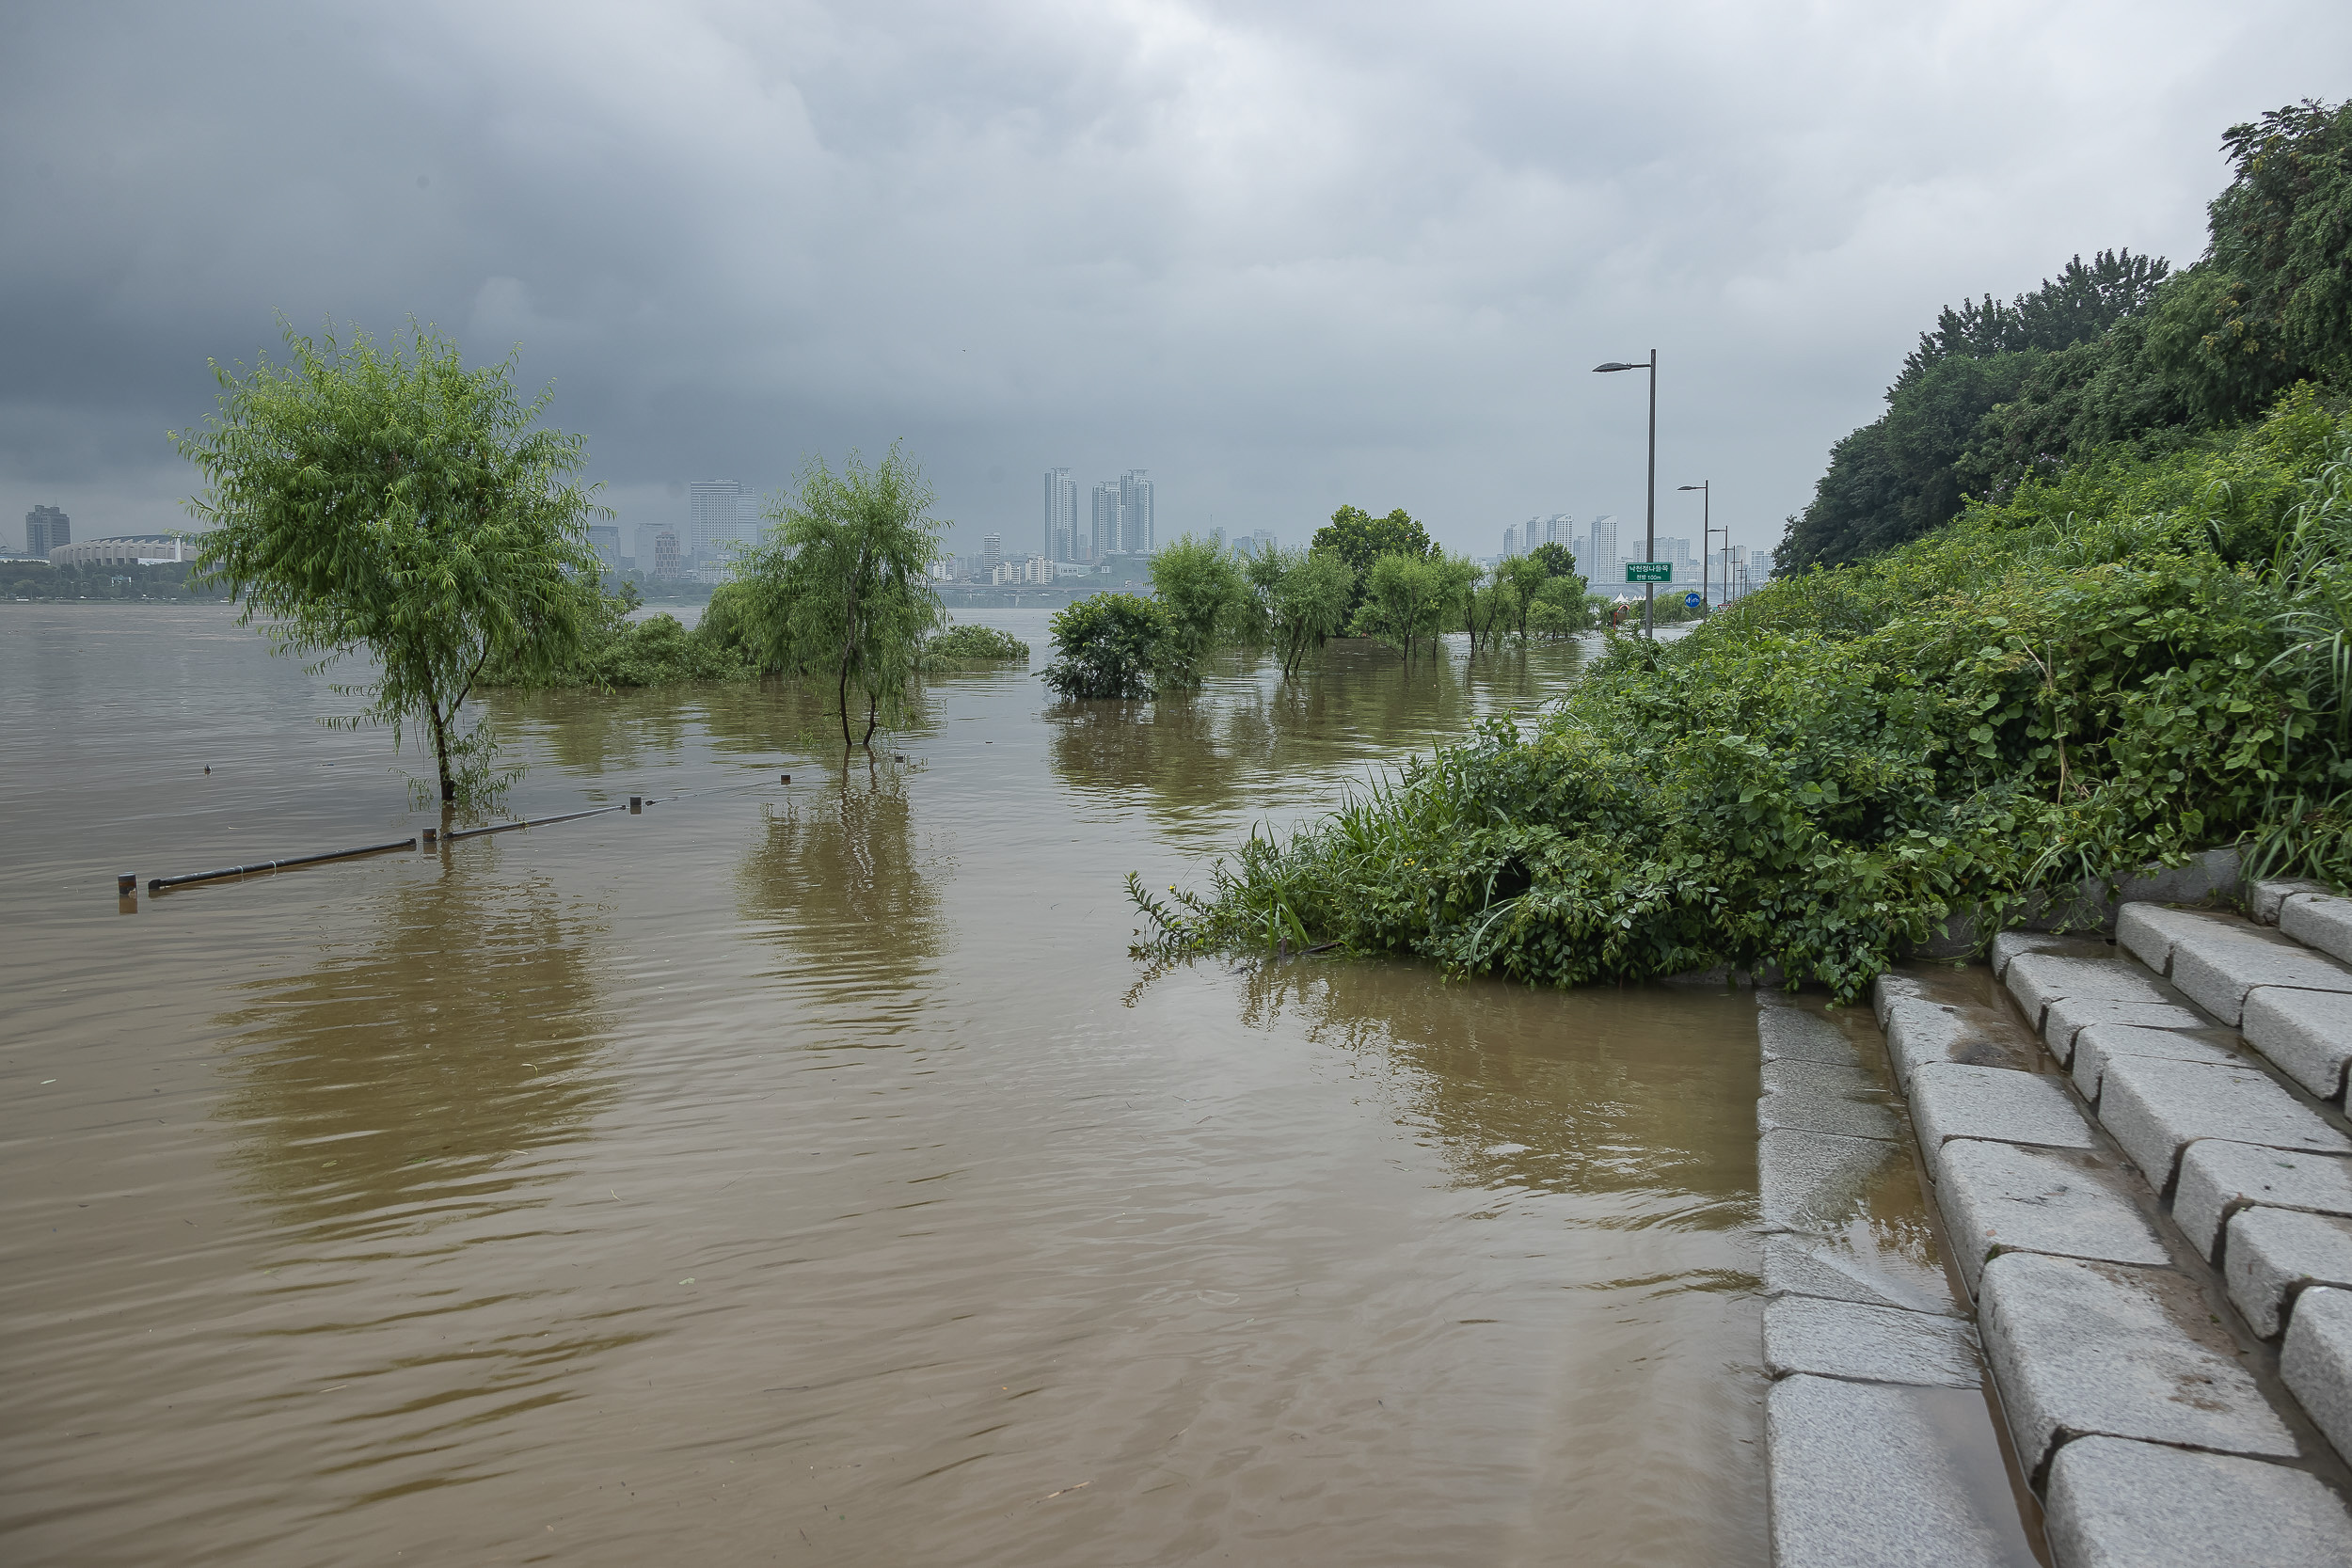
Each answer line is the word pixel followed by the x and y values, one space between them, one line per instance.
pixel 407 1079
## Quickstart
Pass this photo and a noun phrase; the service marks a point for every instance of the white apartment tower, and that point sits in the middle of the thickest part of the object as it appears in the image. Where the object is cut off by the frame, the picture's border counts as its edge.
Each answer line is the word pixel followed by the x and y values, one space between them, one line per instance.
pixel 1135 511
pixel 1598 562
pixel 1062 538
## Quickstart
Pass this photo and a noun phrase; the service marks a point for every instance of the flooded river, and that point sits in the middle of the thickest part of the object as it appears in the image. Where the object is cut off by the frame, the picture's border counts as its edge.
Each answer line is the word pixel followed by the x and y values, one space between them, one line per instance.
pixel 809 1174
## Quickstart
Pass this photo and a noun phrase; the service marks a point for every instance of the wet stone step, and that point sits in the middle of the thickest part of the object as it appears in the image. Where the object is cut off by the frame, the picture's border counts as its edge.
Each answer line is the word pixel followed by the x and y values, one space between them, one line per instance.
pixel 2119 1504
pixel 2273 1254
pixel 2305 1033
pixel 1810 1181
pixel 1949 1100
pixel 2155 1108
pixel 1874 1344
pixel 2068 1017
pixel 1877 1476
pixel 1828 1268
pixel 2080 1348
pixel 2316 1361
pixel 2101 1042
pixel 1824 1097
pixel 2218 1176
pixel 2000 1199
pixel 2319 919
pixel 2216 959
pixel 2041 980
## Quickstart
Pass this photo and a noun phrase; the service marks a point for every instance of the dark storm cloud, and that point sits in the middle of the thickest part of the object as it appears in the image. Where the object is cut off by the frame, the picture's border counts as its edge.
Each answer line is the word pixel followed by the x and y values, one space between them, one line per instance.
pixel 1283 256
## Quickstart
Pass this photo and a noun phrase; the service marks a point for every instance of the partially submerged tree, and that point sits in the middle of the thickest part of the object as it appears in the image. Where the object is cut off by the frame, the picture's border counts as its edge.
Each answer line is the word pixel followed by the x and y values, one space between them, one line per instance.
pixel 1110 645
pixel 840 587
pixel 373 497
pixel 1304 597
pixel 1408 600
pixel 1203 599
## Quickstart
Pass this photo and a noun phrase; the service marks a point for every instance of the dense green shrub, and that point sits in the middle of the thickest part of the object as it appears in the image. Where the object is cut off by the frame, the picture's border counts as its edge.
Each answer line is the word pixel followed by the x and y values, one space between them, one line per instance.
pixel 616 651
pixel 1109 646
pixel 964 647
pixel 1819 775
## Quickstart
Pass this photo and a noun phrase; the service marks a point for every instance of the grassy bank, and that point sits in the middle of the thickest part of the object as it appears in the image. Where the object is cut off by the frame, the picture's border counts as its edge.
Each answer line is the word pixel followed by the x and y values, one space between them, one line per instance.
pixel 2132 662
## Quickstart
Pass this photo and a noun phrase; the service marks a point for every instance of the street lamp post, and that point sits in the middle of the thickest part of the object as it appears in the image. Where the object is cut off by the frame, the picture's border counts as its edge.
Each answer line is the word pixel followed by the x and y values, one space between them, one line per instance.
pixel 1649 540
pixel 1706 533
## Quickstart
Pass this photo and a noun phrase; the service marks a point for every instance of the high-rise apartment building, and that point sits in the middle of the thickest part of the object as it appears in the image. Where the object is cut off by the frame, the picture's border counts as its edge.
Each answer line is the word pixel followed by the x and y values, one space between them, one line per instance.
pixel 1598 562
pixel 1103 521
pixel 45 529
pixel 1511 542
pixel 1061 515
pixel 991 552
pixel 720 514
pixel 665 554
pixel 1136 520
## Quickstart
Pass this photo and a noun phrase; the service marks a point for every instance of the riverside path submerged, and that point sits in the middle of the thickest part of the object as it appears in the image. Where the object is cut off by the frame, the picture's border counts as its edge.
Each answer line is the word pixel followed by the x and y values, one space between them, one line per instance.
pixel 809 1174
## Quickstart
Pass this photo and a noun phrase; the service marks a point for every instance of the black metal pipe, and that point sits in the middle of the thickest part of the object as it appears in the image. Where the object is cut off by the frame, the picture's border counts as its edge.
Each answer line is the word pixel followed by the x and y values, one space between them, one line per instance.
pixel 159 883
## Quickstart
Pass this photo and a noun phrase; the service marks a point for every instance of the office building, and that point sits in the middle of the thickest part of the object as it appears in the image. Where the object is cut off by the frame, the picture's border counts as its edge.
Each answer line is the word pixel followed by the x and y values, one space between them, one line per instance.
pixel 720 514
pixel 1061 515
pixel 1259 543
pixel 45 529
pixel 665 555
pixel 992 552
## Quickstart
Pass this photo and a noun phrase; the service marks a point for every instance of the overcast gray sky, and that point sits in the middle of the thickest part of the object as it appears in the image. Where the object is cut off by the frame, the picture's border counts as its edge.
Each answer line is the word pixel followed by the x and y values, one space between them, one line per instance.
pixel 1284 255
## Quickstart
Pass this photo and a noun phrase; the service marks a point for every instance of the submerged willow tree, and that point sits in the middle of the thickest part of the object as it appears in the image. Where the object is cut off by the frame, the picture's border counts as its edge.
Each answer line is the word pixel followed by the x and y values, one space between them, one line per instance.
pixel 840 587
pixel 366 496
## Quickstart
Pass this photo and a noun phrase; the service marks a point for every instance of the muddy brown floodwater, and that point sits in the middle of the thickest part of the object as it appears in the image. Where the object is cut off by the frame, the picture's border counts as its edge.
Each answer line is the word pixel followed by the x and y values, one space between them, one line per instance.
pixel 810 1175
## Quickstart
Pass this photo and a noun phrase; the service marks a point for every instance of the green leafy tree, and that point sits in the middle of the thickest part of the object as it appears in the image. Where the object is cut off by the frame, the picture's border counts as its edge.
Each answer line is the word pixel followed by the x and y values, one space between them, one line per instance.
pixel 1107 645
pixel 1358 538
pixel 1556 560
pixel 1304 597
pixel 1524 575
pixel 1408 600
pixel 366 496
pixel 839 589
pixel 1203 599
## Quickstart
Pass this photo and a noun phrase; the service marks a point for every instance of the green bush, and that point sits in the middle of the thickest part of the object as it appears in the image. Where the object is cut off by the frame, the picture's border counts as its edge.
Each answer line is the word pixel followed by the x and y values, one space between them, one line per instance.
pixel 1109 646
pixel 1819 775
pixel 962 648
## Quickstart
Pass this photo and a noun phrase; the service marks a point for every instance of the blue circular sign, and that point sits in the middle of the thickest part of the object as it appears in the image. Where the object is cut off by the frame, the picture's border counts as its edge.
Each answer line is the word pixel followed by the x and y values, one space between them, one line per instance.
pixel 1690 601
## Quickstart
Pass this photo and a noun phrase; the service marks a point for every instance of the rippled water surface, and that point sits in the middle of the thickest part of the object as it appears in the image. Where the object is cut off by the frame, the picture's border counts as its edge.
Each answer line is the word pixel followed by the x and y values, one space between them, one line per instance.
pixel 809 1174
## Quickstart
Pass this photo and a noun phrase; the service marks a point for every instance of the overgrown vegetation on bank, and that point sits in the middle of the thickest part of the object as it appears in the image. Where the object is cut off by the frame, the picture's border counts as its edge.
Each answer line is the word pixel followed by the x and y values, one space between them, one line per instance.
pixel 2138 652
pixel 2120 349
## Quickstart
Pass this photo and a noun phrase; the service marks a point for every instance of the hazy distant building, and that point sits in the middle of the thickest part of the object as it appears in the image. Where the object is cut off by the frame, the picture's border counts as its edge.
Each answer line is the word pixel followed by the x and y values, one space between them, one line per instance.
pixel 991 552
pixel 1511 542
pixel 1136 519
pixel 1061 515
pixel 720 514
pixel 1259 543
pixel 45 529
pixel 665 555
pixel 605 539
pixel 139 549
pixel 1597 561
pixel 1102 521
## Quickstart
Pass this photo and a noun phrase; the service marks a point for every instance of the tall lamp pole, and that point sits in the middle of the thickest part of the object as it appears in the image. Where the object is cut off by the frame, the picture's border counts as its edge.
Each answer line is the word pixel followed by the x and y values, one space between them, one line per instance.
pixel 1649 540
pixel 1707 538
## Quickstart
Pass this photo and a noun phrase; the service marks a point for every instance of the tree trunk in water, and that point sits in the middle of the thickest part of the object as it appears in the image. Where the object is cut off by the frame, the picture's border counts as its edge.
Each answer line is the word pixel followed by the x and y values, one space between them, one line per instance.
pixel 441 758
pixel 872 702
pixel 846 741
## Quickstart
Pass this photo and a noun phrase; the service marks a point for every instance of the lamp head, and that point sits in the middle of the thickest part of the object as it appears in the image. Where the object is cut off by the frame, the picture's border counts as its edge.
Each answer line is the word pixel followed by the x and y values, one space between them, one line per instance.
pixel 1617 365
pixel 1690 486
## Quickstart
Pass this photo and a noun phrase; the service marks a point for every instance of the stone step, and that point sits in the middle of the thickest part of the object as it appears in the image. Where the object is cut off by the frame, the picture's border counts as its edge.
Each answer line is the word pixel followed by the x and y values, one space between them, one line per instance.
pixel 2115 1503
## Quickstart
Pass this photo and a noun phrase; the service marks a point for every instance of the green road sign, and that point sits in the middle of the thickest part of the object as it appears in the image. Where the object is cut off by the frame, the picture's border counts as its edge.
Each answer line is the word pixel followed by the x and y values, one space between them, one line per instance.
pixel 1649 571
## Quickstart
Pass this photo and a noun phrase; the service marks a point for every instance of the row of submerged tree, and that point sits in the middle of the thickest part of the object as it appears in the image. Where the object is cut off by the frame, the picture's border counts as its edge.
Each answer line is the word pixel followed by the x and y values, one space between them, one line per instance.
pixel 384 496
pixel 1361 576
